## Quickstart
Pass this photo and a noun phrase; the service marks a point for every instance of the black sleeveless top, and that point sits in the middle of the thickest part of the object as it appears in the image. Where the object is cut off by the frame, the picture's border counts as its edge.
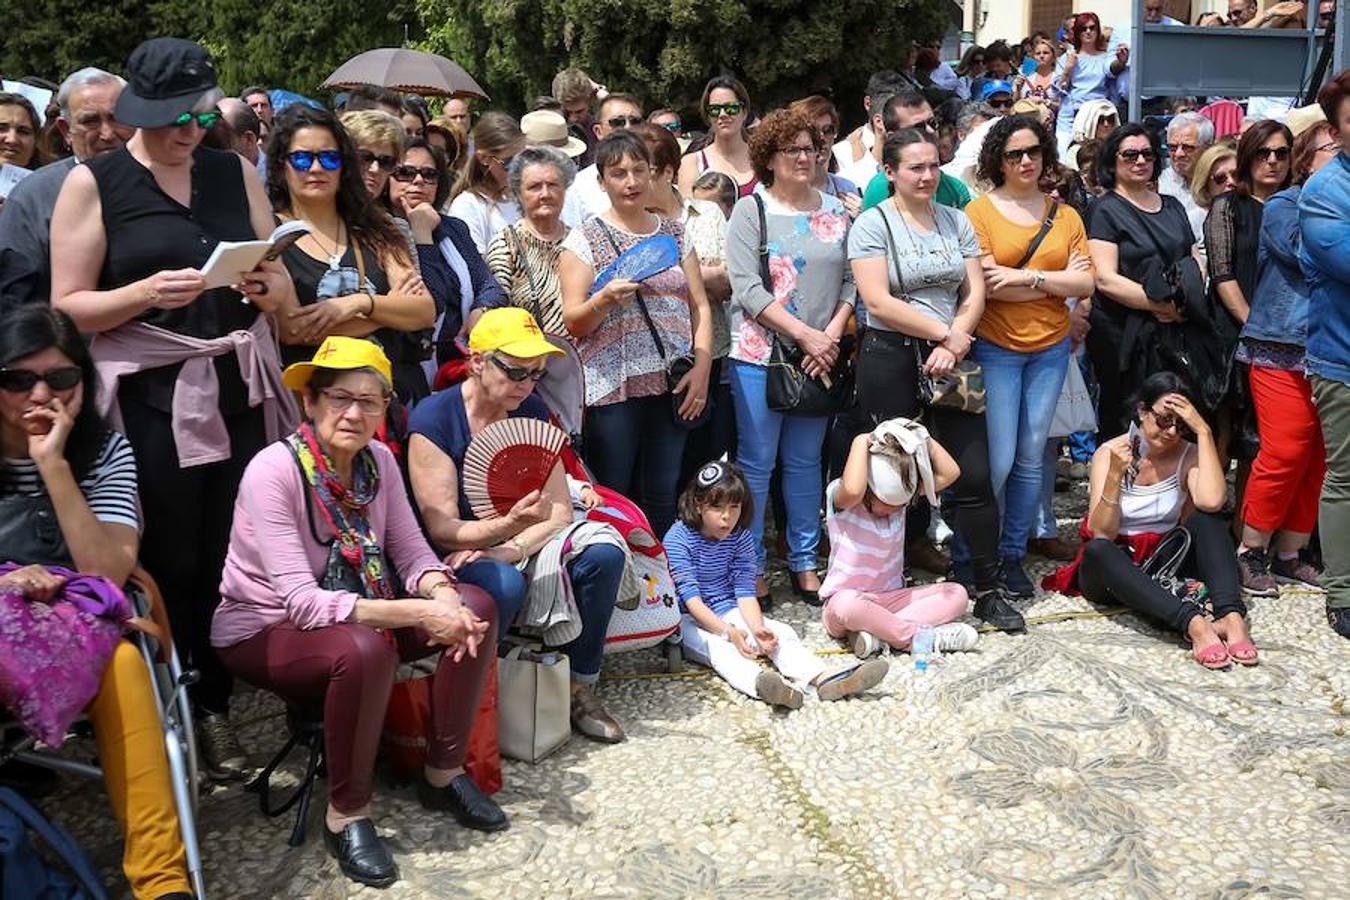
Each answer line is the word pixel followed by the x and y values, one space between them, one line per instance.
pixel 147 230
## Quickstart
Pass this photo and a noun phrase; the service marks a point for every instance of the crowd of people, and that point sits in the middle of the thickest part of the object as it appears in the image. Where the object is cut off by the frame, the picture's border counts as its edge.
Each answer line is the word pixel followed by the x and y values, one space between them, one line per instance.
pixel 924 327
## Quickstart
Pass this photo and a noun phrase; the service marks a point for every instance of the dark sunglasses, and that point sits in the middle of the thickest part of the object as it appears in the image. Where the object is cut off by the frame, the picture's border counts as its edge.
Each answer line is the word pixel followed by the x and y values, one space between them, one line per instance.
pixel 1223 178
pixel 21 381
pixel 1164 421
pixel 1016 156
pixel 385 162
pixel 1273 154
pixel 206 120
pixel 408 173
pixel 828 130
pixel 623 121
pixel 303 160
pixel 675 127
pixel 1001 104
pixel 717 110
pixel 518 373
pixel 1132 155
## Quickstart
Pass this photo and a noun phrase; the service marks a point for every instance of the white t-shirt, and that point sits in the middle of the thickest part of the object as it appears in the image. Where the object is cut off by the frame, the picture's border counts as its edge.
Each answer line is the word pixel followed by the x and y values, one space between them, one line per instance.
pixel 847 167
pixel 485 218
pixel 586 197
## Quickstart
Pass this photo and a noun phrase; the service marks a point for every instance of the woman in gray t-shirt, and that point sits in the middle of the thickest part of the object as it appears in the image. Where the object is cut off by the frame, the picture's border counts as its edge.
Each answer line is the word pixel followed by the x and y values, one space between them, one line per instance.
pixel 917 269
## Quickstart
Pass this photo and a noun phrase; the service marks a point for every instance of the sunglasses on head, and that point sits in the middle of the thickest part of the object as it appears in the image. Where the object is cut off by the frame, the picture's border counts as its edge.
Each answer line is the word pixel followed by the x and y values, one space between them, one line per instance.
pixel 407 173
pixel 717 110
pixel 518 373
pixel 623 121
pixel 303 160
pixel 1016 156
pixel 21 381
pixel 1131 156
pixel 1273 154
pixel 384 161
pixel 206 120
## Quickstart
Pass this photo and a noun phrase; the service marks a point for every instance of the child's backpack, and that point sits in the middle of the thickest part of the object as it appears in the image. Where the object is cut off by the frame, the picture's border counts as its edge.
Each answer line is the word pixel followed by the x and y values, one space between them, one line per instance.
pixel 24 873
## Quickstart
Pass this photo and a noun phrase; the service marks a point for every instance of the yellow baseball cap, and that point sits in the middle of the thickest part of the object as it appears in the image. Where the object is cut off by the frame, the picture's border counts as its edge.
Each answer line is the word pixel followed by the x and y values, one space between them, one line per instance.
pixel 511 330
pixel 340 353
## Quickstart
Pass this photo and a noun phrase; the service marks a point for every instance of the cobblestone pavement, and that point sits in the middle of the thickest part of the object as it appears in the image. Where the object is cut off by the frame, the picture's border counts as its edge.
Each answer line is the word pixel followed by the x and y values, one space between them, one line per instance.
pixel 1087 758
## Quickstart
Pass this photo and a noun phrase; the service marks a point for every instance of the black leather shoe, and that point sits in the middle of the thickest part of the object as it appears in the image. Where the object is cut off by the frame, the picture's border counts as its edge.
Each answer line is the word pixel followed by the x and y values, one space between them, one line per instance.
pixel 994 608
pixel 361 854
pixel 462 798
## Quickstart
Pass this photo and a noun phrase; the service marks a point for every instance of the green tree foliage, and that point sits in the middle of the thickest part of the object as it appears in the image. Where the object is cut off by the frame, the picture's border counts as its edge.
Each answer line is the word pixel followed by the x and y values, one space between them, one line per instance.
pixel 665 50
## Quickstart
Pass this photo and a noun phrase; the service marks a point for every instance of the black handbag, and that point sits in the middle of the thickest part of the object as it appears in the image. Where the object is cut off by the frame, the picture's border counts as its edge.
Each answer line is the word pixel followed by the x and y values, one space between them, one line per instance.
pixel 676 367
pixel 788 389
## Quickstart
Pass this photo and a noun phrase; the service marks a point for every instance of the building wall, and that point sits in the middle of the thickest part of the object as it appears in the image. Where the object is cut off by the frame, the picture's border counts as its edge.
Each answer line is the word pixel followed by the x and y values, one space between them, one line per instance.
pixel 1013 20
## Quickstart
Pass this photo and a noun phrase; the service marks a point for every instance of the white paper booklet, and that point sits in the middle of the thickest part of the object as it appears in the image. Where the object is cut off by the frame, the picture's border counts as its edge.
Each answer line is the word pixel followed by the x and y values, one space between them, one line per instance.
pixel 232 259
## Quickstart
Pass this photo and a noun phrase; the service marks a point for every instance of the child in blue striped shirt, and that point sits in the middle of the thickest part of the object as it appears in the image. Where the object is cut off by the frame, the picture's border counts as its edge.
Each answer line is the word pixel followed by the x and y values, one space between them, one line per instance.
pixel 712 558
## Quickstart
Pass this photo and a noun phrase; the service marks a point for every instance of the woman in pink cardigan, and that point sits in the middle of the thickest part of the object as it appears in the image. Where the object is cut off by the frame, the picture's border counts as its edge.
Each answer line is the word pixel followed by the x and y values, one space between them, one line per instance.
pixel 329 583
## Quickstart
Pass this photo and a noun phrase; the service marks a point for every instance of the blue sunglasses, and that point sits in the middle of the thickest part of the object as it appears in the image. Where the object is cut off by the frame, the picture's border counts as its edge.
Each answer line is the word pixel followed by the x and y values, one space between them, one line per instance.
pixel 303 160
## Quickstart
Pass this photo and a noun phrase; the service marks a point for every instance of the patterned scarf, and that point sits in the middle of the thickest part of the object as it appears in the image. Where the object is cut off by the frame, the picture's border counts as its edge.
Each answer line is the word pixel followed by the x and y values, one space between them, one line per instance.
pixel 345 508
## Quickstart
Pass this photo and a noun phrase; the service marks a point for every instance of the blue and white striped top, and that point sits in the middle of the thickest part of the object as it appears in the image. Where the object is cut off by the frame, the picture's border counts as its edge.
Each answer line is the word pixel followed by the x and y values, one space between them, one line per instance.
pixel 716 572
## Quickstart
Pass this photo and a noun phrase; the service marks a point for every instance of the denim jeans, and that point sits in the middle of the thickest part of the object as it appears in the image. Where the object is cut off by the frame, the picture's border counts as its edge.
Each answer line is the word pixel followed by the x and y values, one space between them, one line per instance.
pixel 634 447
pixel 763 437
pixel 1022 390
pixel 1045 525
pixel 503 582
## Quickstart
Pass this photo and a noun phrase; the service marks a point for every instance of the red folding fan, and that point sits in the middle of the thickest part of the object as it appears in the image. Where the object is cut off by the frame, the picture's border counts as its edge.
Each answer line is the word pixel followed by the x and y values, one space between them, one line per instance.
pixel 507 460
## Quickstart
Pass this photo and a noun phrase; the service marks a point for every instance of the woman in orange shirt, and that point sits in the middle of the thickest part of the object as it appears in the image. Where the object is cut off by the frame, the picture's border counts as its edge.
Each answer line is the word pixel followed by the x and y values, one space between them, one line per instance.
pixel 1023 335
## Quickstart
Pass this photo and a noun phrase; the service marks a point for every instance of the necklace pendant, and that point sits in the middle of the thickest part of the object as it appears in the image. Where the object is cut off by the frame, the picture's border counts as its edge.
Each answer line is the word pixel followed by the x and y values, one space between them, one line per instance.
pixel 334 262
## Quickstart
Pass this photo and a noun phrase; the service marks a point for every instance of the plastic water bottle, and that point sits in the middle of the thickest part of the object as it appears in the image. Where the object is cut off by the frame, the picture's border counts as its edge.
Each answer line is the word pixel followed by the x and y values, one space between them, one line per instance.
pixel 921 647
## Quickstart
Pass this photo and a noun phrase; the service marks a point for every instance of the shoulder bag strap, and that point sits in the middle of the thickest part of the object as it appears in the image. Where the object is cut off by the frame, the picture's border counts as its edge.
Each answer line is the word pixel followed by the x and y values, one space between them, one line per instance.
pixel 519 250
pixel 764 275
pixel 642 305
pixel 1035 244
pixel 309 502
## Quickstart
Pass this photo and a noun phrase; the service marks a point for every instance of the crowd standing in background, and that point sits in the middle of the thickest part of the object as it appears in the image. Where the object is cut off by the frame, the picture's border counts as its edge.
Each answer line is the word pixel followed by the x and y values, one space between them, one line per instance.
pixel 993 284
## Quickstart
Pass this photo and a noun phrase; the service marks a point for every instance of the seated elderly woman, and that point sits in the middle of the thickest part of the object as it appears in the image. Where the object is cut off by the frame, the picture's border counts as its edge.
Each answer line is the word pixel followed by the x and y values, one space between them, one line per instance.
pixel 60 460
pixel 508 354
pixel 329 583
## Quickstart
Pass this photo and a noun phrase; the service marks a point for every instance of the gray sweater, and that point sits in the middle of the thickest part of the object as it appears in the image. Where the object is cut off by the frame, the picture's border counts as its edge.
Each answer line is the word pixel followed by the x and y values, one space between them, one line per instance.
pixel 26 218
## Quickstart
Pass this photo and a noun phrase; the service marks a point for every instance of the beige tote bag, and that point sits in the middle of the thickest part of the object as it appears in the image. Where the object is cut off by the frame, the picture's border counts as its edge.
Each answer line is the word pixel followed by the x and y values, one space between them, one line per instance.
pixel 534 703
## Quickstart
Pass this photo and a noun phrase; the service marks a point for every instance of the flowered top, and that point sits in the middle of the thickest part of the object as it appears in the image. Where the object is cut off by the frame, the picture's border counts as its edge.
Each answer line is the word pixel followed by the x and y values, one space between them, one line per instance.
pixel 808 267
pixel 619 358
pixel 705 228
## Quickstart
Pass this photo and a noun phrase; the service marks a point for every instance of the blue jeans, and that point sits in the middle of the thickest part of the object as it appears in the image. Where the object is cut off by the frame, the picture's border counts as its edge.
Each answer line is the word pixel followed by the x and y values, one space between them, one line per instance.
pixel 1022 390
pixel 1045 525
pixel 762 437
pixel 595 574
pixel 634 447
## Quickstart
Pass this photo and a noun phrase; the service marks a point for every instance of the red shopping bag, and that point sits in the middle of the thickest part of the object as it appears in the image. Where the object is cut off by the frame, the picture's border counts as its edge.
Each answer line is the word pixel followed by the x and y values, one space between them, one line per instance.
pixel 408 721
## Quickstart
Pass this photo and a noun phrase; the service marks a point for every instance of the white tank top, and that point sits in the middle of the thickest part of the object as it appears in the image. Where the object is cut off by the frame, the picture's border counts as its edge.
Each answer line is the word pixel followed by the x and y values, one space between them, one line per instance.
pixel 1153 507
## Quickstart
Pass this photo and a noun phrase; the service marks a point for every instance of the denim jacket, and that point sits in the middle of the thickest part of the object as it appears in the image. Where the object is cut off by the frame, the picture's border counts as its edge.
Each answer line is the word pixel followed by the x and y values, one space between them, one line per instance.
pixel 1324 218
pixel 1279 303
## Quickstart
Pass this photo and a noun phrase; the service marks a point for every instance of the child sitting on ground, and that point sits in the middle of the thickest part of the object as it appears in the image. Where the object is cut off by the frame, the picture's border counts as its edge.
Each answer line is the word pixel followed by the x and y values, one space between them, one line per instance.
pixel 712 556
pixel 866 601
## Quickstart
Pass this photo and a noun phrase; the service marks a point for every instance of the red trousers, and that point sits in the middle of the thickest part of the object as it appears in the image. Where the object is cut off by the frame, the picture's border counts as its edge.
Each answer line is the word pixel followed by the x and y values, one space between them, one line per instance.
pixel 1286 477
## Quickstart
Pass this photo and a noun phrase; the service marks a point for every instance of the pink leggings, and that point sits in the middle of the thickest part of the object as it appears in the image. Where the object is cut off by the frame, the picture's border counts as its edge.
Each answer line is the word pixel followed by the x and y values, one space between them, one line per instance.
pixel 893 615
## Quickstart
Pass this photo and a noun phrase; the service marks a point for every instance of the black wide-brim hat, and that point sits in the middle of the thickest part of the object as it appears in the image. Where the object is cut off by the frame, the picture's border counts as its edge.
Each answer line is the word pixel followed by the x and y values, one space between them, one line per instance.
pixel 165 78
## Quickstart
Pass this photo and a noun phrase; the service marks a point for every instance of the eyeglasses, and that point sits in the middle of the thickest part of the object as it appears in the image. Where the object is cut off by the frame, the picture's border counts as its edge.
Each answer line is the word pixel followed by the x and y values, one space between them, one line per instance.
pixel 1223 178
pixel 370 407
pixel 206 120
pixel 409 173
pixel 1016 156
pixel 303 160
pixel 623 121
pixel 1184 148
pixel 504 163
pixel 717 110
pixel 518 373
pixel 827 130
pixel 676 127
pixel 1133 156
pixel 383 161
pixel 1168 421
pixel 1328 147
pixel 797 152
pixel 1273 154
pixel 21 381
pixel 1001 104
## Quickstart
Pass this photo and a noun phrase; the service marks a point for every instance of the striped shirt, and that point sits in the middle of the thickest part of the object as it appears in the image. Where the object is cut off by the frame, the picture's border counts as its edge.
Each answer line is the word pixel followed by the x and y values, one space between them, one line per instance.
pixel 109 487
pixel 867 552
pixel 716 572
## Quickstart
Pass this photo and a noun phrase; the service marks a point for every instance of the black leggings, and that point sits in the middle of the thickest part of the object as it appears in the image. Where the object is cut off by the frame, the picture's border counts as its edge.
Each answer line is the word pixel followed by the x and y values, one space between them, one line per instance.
pixel 1107 574
pixel 888 386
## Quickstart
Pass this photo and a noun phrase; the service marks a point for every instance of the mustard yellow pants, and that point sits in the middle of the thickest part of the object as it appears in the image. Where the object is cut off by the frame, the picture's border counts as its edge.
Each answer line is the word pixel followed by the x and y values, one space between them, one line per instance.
pixel 136 775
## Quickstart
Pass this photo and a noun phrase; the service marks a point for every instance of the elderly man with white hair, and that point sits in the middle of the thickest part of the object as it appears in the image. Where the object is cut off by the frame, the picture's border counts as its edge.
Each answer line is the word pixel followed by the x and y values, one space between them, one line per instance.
pixel 86 99
pixel 1188 135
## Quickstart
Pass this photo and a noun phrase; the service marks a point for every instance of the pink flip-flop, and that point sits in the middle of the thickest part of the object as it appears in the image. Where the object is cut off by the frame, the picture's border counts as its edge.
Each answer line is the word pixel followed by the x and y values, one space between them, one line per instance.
pixel 1243 653
pixel 1215 656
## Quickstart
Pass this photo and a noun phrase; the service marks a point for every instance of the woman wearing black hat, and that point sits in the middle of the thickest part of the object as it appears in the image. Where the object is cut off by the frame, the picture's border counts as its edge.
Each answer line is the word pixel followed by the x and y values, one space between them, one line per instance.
pixel 192 372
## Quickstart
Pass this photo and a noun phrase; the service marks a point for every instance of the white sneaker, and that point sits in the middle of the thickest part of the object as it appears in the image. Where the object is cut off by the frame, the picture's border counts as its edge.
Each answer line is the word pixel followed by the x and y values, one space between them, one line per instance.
pixel 865 644
pixel 953 637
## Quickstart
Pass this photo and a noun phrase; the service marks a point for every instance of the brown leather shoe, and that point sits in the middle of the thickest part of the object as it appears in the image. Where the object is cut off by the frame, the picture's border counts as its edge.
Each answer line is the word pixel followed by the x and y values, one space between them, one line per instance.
pixel 1055 548
pixel 590 718
pixel 925 555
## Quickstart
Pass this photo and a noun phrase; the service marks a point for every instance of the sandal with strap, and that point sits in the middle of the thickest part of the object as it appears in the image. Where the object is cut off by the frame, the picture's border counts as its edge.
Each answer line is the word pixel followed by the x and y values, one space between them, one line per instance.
pixel 1244 653
pixel 1215 656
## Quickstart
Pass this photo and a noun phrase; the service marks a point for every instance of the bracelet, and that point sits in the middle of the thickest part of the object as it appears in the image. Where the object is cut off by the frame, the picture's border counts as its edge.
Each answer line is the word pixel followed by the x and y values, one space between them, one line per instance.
pixel 370 312
pixel 1111 501
pixel 431 592
pixel 520 546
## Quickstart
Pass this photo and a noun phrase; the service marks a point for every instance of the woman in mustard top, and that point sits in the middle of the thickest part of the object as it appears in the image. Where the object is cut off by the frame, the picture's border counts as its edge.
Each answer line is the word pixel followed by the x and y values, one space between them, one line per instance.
pixel 1023 335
